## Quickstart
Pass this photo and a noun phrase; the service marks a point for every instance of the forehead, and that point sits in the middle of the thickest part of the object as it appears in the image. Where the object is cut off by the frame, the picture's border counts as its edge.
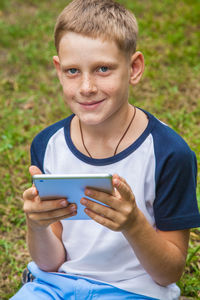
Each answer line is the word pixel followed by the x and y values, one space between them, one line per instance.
pixel 79 47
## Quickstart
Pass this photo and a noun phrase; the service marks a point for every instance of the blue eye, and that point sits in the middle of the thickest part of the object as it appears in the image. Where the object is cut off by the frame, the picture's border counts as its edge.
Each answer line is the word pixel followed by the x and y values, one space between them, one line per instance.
pixel 103 69
pixel 72 71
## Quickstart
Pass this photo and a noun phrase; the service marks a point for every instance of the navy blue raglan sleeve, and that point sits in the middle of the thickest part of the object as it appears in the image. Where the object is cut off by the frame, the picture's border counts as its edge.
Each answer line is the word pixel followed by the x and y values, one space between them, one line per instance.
pixel 38 148
pixel 175 205
pixel 40 143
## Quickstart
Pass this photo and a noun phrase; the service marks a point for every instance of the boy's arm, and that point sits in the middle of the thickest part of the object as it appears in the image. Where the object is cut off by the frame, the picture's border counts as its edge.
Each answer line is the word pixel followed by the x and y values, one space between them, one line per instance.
pixel 162 254
pixel 43 227
pixel 45 248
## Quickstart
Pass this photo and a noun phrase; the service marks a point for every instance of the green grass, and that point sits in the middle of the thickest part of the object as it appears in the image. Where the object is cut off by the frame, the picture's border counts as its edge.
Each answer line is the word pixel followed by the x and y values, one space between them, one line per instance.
pixel 31 98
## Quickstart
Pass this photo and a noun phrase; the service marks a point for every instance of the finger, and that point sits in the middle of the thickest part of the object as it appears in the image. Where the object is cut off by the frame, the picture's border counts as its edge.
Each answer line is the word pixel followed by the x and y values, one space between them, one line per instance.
pixel 34 170
pixel 53 220
pixel 101 220
pixel 105 198
pixel 45 205
pixel 123 188
pixel 100 209
pixel 54 214
pixel 47 222
pixel 30 193
pixel 116 176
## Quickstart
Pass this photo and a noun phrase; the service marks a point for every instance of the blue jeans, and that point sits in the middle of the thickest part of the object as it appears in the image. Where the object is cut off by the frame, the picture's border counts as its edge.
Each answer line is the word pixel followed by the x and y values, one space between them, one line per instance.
pixel 58 286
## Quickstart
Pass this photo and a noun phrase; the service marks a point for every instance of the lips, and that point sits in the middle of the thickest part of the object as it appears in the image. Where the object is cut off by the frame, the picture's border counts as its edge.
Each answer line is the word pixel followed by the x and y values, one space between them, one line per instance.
pixel 91 103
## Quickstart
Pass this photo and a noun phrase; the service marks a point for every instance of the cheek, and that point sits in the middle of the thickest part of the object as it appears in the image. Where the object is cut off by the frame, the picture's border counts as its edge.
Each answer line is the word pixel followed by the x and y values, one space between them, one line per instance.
pixel 111 90
pixel 69 90
pixel 120 80
pixel 110 86
pixel 117 87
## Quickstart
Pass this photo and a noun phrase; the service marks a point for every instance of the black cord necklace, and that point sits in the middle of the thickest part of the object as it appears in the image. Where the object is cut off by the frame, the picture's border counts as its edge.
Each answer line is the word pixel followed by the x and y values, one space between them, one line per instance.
pixel 133 117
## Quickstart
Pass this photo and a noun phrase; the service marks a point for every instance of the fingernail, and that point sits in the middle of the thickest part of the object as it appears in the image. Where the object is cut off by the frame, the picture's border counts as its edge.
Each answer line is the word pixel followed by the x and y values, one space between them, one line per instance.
pixel 88 193
pixel 83 201
pixel 63 203
pixel 73 208
pixel 34 191
pixel 116 181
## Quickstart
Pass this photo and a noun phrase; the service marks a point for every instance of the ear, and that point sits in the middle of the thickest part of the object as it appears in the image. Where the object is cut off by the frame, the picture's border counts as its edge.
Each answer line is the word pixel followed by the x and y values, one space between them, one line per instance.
pixel 56 62
pixel 137 67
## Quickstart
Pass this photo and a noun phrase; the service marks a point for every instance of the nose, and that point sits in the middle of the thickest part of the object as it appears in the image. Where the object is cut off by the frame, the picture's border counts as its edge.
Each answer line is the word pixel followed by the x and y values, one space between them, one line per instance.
pixel 88 85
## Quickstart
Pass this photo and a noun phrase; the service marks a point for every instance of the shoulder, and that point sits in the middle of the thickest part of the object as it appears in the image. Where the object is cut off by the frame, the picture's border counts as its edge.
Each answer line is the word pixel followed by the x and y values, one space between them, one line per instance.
pixel 41 140
pixel 46 133
pixel 173 156
pixel 166 136
pixel 175 205
pixel 169 146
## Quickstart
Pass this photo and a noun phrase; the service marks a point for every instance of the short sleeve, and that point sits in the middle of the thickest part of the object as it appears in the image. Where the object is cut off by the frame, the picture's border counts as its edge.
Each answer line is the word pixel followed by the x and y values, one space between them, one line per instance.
pixel 40 142
pixel 37 153
pixel 175 205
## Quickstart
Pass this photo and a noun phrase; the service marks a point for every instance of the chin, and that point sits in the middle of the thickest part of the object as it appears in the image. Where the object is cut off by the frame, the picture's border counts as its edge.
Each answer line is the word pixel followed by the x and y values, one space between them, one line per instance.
pixel 91 121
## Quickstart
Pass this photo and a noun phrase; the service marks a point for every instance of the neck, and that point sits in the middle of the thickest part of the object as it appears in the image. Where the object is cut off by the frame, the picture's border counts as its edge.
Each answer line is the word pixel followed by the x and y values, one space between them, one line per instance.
pixel 111 128
pixel 110 141
pixel 101 141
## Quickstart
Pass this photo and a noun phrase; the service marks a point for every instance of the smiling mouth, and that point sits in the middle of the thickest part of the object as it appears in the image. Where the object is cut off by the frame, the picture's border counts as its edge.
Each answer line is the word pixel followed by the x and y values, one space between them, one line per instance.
pixel 91 103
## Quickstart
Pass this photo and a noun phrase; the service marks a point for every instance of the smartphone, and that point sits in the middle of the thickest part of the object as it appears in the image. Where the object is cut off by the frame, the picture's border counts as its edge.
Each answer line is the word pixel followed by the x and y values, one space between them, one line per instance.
pixel 72 187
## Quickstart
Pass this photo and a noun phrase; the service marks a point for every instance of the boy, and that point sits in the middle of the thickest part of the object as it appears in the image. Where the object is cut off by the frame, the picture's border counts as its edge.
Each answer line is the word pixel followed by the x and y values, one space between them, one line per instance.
pixel 136 247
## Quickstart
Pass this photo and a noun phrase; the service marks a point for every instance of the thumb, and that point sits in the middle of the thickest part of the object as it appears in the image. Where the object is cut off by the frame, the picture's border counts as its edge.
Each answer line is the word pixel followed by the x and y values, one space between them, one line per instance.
pixel 33 170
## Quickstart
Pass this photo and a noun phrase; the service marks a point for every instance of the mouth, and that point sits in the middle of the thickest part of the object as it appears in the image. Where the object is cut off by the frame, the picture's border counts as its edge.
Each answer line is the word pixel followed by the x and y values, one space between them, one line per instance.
pixel 91 104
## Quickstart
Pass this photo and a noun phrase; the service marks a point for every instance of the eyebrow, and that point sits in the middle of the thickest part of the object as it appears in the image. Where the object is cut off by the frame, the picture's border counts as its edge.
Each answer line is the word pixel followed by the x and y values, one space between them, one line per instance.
pixel 104 62
pixel 111 64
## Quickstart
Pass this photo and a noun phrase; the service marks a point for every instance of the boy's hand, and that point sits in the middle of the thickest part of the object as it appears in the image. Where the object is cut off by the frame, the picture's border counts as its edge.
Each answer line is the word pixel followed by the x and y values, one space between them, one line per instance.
pixel 42 213
pixel 122 212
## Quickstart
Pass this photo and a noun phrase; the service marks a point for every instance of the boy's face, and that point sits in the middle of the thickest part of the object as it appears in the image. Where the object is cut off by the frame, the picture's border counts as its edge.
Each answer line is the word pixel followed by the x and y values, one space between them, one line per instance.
pixel 94 75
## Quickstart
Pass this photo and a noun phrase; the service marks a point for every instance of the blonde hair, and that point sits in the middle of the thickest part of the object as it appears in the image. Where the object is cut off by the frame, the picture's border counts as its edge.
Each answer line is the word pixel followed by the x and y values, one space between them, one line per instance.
pixel 99 18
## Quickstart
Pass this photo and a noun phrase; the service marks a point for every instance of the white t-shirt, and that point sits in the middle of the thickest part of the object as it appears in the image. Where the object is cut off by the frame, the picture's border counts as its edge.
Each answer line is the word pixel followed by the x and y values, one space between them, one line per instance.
pixel 161 170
